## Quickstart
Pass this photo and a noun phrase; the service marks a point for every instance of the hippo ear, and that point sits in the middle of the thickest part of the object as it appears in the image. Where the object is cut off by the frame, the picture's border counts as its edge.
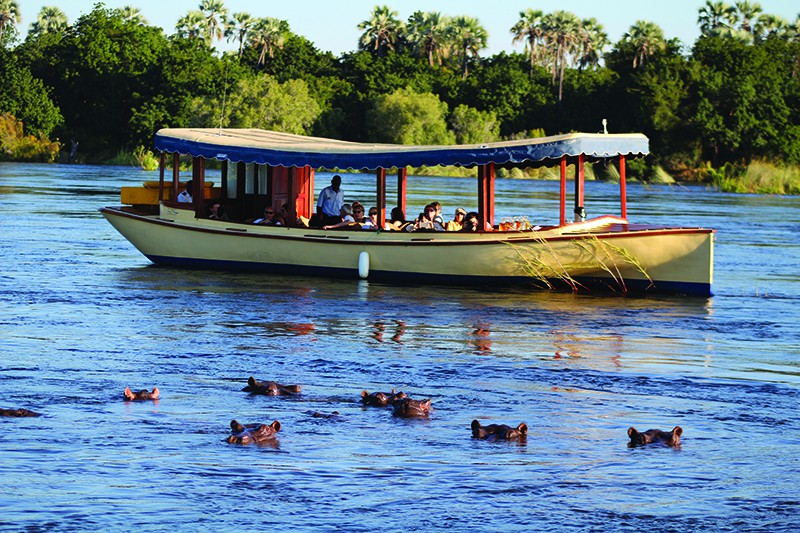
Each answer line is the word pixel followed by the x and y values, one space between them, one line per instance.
pixel 276 425
pixel 364 394
pixel 677 431
pixel 236 427
pixel 523 428
pixel 476 425
pixel 393 391
pixel 426 402
pixel 632 432
pixel 251 381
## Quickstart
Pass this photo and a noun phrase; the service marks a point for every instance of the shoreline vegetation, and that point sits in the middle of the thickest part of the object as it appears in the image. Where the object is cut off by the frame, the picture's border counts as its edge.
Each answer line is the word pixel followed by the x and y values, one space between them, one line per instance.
pixel 723 111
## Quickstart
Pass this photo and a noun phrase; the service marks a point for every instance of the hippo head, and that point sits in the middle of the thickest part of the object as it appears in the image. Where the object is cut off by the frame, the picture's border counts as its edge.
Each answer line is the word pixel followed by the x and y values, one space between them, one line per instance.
pixel 381 399
pixel 253 433
pixel 18 413
pixel 270 388
pixel 499 431
pixel 408 408
pixel 670 438
pixel 143 394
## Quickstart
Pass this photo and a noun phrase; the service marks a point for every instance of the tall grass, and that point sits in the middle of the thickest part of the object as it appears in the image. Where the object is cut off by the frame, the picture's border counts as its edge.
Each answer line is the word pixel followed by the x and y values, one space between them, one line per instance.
pixel 760 177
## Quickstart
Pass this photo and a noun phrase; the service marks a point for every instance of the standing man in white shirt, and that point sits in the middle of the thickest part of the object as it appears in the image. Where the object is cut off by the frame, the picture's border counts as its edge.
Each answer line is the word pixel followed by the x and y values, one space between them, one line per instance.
pixel 186 196
pixel 330 202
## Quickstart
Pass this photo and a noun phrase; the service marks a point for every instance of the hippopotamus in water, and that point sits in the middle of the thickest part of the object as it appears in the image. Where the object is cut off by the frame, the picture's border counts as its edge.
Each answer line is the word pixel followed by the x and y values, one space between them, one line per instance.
pixel 381 399
pixel 143 394
pixel 270 388
pixel 18 413
pixel 253 433
pixel 499 431
pixel 670 438
pixel 408 408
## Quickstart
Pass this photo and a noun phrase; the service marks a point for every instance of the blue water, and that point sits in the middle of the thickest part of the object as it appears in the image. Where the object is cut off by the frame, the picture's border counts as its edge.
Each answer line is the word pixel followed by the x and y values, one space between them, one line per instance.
pixel 83 315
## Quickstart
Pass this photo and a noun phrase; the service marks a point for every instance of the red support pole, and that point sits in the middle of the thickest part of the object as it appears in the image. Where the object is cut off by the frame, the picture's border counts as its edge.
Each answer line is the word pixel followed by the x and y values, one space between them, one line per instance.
pixel 482 196
pixel 563 211
pixel 162 162
pixel 580 212
pixel 380 196
pixel 623 198
pixel 176 175
pixel 490 195
pixel 402 175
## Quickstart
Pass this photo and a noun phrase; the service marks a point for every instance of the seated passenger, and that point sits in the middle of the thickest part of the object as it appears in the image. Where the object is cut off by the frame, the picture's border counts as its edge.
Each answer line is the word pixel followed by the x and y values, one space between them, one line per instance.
pixel 358 212
pixel 471 222
pixel 217 212
pixel 347 218
pixel 458 221
pixel 371 221
pixel 426 220
pixel 397 221
pixel 437 217
pixel 269 218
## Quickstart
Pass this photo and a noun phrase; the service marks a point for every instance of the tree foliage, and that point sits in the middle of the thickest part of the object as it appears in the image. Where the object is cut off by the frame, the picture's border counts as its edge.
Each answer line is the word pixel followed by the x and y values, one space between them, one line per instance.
pixel 407 117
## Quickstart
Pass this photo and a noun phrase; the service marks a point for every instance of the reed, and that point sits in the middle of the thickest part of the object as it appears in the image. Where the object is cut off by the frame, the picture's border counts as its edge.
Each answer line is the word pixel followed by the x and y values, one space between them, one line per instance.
pixel 759 177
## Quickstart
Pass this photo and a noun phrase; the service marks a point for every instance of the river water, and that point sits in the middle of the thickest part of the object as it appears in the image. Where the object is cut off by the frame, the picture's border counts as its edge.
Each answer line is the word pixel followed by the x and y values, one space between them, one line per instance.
pixel 84 315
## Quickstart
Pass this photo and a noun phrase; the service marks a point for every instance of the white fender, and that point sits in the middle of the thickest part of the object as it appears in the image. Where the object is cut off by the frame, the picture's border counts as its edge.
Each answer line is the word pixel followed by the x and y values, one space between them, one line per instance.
pixel 363 265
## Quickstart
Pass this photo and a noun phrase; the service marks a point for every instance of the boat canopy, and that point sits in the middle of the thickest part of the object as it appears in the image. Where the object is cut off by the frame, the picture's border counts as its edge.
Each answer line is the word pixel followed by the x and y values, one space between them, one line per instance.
pixel 284 149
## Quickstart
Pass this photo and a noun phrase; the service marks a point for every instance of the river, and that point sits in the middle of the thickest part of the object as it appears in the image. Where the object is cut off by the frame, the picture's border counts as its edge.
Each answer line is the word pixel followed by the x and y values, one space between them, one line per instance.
pixel 84 315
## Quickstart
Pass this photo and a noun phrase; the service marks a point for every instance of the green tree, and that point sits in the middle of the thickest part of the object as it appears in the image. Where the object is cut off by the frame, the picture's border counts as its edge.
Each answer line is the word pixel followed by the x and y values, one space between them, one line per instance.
pixel 10 16
pixel 592 39
pixel 562 34
pixel 472 126
pixel 132 14
pixel 260 101
pixel 381 31
pixel 26 97
pixel 407 117
pixel 50 20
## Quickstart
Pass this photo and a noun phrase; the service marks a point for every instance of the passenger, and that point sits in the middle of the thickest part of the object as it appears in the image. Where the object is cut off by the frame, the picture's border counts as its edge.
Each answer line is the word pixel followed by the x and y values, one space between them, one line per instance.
pixel 438 216
pixel 330 202
pixel 471 222
pixel 269 218
pixel 458 221
pixel 371 222
pixel 358 212
pixel 283 215
pixel 186 196
pixel 218 212
pixel 397 221
pixel 347 218
pixel 426 220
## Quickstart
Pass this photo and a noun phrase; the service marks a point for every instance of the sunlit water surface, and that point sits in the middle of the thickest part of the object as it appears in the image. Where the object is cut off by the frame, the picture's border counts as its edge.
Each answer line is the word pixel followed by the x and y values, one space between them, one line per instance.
pixel 83 315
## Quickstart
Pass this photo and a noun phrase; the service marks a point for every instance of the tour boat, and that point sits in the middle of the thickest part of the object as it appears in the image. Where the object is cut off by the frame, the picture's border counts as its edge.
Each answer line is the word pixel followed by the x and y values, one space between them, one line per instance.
pixel 258 168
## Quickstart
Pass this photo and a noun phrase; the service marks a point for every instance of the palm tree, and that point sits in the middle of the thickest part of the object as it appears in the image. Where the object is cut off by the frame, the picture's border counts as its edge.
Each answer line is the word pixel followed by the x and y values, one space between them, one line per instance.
pixel 428 33
pixel 380 31
pixel 238 29
pixel 268 34
pixel 191 25
pixel 9 16
pixel 214 14
pixel 529 28
pixel 591 41
pixel 50 20
pixel 562 35
pixel 469 38
pixel 767 25
pixel 748 14
pixel 716 18
pixel 646 38
pixel 131 14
